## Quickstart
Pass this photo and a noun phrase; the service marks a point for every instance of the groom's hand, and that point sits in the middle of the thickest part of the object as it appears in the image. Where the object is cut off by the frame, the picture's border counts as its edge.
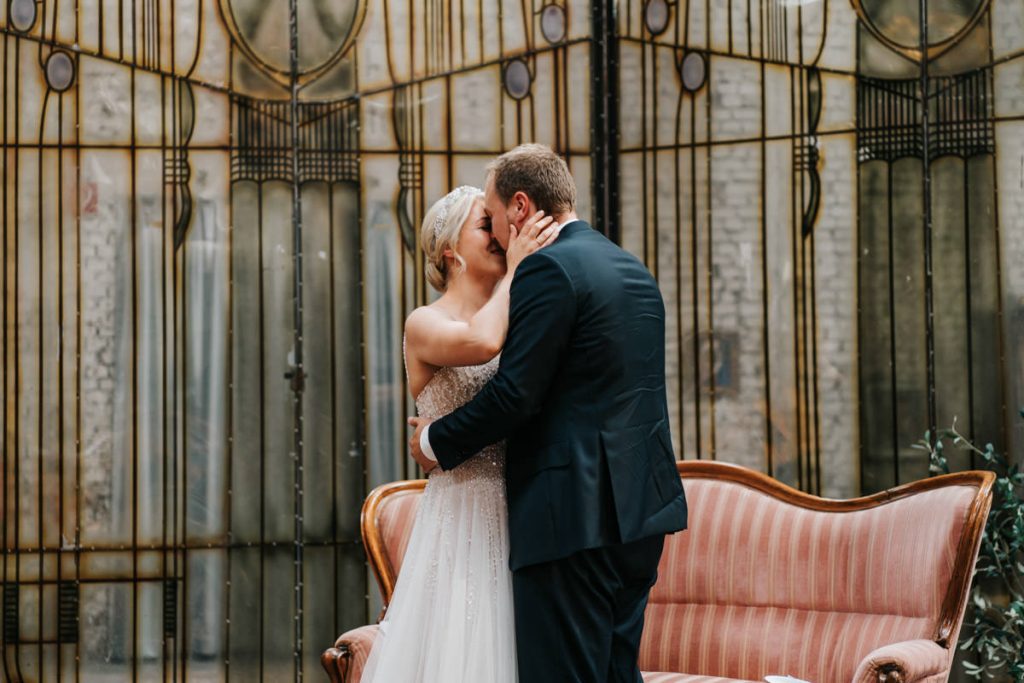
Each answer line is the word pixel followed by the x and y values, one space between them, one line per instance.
pixel 419 424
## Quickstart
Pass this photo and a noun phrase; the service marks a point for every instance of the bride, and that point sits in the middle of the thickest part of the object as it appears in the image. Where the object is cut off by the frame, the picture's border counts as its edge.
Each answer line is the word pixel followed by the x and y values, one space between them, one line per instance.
pixel 451 618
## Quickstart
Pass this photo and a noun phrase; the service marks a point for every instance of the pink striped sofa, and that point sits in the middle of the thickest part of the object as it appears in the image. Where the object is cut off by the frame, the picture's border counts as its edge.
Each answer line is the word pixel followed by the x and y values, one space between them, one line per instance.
pixel 769 580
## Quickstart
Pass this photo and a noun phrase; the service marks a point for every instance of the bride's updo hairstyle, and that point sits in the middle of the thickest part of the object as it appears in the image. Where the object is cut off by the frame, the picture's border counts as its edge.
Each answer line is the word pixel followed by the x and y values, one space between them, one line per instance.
pixel 440 231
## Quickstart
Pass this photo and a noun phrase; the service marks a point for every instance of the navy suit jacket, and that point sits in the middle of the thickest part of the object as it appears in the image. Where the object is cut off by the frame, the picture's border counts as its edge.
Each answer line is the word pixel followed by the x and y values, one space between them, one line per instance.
pixel 580 397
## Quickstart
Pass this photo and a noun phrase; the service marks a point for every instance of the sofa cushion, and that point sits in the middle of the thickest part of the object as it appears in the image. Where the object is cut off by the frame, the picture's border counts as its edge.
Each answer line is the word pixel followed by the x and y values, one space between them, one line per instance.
pixel 743 642
pixel 660 677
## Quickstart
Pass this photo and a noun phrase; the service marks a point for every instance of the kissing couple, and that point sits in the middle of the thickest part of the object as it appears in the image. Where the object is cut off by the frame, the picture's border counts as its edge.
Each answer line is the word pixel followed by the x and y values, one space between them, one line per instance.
pixel 539 379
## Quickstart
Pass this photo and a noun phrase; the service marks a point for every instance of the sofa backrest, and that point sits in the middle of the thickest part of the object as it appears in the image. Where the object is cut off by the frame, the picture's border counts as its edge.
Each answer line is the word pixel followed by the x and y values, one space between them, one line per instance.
pixel 768 580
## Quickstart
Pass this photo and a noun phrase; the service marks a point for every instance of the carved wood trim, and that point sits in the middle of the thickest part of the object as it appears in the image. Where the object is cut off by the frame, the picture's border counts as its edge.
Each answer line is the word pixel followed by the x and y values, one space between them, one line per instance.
pixel 373 539
pixel 336 661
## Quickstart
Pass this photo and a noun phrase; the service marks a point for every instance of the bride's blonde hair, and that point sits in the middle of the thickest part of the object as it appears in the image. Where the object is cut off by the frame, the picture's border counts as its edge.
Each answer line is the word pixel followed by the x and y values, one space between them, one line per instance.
pixel 440 231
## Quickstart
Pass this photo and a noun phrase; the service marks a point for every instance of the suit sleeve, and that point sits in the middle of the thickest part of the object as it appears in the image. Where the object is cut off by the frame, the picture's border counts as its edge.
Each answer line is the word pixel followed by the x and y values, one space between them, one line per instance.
pixel 542 315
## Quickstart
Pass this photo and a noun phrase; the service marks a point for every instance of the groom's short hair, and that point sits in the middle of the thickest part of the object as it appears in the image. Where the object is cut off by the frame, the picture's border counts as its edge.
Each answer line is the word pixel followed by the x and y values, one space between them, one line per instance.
pixel 536 170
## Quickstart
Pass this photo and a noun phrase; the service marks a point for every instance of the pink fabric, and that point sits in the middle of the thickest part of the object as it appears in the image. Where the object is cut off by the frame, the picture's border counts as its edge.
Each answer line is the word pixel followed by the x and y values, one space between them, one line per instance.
pixel 920 660
pixel 742 642
pixel 660 677
pixel 359 642
pixel 757 586
pixel 395 518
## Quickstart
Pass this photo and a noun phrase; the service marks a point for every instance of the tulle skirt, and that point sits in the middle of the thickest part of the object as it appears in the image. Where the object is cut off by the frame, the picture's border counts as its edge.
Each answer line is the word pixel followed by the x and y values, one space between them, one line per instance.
pixel 451 617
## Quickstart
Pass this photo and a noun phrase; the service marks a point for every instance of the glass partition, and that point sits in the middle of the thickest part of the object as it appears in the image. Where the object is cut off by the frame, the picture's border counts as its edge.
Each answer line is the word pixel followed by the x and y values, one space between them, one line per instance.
pixel 210 213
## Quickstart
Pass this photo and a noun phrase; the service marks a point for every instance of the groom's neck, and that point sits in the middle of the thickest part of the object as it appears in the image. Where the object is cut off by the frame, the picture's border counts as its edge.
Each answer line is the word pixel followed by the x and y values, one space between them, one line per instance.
pixel 566 217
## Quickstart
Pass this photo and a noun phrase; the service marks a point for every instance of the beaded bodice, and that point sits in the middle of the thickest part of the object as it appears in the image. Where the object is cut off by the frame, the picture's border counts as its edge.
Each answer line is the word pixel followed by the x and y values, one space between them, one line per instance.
pixel 451 388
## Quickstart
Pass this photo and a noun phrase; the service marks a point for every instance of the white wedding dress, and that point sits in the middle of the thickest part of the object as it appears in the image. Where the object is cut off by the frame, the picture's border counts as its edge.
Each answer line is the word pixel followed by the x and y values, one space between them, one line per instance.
pixel 451 618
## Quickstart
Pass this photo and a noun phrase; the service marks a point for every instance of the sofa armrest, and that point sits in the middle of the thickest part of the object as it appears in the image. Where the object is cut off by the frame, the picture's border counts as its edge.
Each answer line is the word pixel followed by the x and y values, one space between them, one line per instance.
pixel 344 662
pixel 911 660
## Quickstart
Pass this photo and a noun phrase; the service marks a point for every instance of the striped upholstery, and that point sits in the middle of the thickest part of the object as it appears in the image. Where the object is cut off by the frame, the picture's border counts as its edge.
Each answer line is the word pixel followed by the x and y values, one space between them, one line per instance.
pixel 758 586
pixel 661 677
pixel 395 518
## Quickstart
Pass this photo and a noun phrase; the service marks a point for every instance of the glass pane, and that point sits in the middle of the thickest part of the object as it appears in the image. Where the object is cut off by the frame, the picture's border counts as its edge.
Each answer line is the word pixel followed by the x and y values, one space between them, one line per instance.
pixel 319 620
pixel 953 399
pixel 106 371
pixel 835 294
pixel 149 652
pixel 278 337
pixel 736 105
pixel 106 629
pixel 150 348
pixel 985 419
pixel 782 343
pixel 205 612
pixel 1010 135
pixel 381 249
pixel 877 404
pixel 349 455
pixel 318 409
pixel 245 598
pixel 29 353
pixel 909 328
pixel 247 456
pixel 475 98
pixel 278 614
pixel 1009 88
pixel 206 312
pixel 670 280
pixel 736 344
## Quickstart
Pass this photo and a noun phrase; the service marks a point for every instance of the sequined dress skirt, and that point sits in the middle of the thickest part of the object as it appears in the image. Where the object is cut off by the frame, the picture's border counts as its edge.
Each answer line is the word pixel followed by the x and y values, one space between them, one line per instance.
pixel 451 618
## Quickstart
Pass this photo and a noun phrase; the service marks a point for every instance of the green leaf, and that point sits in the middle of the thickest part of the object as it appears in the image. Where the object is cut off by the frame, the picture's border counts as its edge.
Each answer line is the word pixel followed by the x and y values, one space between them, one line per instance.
pixel 994 626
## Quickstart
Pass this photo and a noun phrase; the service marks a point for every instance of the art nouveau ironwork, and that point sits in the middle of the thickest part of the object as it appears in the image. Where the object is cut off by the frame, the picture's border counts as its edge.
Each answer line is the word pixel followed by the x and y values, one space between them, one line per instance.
pixel 210 211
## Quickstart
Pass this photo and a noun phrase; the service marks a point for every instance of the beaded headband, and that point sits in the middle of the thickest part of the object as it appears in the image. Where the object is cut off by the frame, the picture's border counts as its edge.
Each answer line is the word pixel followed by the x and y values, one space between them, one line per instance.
pixel 448 202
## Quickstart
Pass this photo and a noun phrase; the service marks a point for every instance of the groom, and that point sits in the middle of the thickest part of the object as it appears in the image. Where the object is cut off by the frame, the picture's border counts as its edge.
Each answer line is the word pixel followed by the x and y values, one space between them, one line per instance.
pixel 580 396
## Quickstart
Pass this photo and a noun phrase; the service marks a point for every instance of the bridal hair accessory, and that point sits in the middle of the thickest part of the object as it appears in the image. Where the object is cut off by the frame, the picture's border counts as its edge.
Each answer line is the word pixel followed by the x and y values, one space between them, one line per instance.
pixel 448 202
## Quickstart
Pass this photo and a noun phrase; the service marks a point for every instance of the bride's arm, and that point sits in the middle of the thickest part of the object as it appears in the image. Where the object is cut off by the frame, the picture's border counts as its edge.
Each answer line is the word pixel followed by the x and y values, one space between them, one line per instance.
pixel 437 340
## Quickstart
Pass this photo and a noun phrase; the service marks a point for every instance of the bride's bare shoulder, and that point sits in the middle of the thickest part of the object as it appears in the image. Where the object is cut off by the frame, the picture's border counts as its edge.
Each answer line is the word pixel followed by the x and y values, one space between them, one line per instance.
pixel 422 326
pixel 424 319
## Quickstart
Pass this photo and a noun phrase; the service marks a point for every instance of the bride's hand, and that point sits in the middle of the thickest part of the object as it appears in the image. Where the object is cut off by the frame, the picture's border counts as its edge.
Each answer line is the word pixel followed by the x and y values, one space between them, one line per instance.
pixel 539 231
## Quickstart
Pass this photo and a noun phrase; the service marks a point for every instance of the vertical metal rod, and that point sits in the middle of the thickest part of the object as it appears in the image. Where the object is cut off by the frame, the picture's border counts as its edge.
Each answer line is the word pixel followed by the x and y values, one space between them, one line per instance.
pixel 4 636
pixel 929 293
pixel 765 283
pixel 298 375
pixel 604 119
pixel 16 320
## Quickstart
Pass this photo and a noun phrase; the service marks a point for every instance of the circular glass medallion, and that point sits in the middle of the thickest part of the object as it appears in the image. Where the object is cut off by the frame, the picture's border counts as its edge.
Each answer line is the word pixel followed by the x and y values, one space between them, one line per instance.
pixel 693 70
pixel 60 71
pixel 327 29
pixel 897 23
pixel 517 79
pixel 23 14
pixel 656 15
pixel 552 23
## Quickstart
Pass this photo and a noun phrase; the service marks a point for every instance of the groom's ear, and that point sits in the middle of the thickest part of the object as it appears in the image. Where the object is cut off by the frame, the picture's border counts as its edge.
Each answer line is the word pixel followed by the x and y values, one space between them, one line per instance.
pixel 520 204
